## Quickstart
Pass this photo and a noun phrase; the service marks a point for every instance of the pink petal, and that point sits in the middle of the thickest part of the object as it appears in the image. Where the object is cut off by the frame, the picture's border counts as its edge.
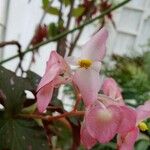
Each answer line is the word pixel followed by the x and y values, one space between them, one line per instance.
pixel 127 142
pixel 103 123
pixel 111 89
pixel 143 111
pixel 55 58
pixel 94 49
pixel 128 119
pixel 49 76
pixel 86 139
pixel 44 96
pixel 88 82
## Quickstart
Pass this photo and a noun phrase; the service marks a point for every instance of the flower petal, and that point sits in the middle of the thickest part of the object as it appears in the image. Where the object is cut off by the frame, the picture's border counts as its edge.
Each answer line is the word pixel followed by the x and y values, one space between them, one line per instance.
pixel 111 89
pixel 127 142
pixel 143 111
pixel 55 58
pixel 49 76
pixel 71 60
pixel 103 123
pixel 88 82
pixel 86 139
pixel 128 119
pixel 94 49
pixel 96 65
pixel 44 96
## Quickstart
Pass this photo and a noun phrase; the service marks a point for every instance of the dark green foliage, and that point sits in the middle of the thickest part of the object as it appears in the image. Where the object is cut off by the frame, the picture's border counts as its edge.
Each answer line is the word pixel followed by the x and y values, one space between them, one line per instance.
pixel 15 133
pixel 133 76
pixel 63 139
pixel 142 145
pixel 13 88
pixel 34 79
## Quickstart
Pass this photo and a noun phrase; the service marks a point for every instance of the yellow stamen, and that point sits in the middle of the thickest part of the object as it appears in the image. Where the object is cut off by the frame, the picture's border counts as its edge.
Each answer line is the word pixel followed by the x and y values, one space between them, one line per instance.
pixel 142 126
pixel 85 63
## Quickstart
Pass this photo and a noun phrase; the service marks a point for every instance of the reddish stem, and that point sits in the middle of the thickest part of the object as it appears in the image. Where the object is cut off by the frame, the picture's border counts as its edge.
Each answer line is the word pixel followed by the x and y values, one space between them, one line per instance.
pixel 50 118
pixel 78 97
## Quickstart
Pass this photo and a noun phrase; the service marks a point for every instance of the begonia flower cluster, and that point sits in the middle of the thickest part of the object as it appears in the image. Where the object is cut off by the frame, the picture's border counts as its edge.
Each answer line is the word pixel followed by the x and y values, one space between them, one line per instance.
pixel 106 114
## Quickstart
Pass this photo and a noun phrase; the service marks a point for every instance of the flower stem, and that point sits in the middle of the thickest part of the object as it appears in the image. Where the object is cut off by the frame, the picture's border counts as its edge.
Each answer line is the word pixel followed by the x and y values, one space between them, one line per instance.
pixel 49 117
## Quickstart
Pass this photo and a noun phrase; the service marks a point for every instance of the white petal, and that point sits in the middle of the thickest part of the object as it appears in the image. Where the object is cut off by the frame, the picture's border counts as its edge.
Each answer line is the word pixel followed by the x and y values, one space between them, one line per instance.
pixel 96 66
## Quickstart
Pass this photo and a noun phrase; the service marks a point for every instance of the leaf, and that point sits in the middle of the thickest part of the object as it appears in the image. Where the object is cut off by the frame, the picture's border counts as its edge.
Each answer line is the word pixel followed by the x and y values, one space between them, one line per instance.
pixel 57 102
pixel 146 63
pixel 48 8
pixel 52 30
pixel 52 10
pixel 66 2
pixel 77 12
pixel 33 78
pixel 45 3
pixel 13 88
pixel 108 146
pixel 30 109
pixel 21 135
pixel 142 145
pixel 63 134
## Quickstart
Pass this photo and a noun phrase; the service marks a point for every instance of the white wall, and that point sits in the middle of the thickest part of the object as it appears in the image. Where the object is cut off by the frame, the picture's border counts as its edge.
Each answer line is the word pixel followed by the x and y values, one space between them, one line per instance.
pixel 133 25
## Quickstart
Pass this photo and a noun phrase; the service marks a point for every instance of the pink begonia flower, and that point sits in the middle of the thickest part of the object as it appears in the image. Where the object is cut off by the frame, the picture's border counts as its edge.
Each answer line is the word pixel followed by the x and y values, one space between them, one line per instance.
pixel 113 91
pixel 54 76
pixel 102 122
pixel 86 77
pixel 126 141
pixel 107 117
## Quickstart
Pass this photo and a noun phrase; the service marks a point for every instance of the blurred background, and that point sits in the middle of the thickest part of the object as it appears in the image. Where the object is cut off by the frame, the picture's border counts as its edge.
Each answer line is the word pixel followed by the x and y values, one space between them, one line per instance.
pixel 30 22
pixel 18 21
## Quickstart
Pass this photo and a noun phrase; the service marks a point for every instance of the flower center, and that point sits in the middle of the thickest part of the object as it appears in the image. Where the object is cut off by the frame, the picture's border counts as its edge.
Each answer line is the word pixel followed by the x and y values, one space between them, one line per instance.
pixel 142 126
pixel 85 63
pixel 105 115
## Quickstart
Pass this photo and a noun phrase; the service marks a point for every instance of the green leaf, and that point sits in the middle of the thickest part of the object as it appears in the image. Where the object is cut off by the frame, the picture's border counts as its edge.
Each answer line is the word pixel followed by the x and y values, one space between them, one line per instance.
pixel 108 146
pixel 64 135
pixel 33 78
pixel 50 9
pixel 30 109
pixel 13 88
pixel 53 10
pixel 57 102
pixel 147 63
pixel 52 30
pixel 142 145
pixel 21 135
pixel 78 11
pixel 66 2
pixel 45 3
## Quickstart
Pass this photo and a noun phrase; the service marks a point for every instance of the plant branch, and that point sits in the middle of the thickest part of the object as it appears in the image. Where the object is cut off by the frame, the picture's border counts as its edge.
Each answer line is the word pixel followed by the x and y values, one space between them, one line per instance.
pixel 3 44
pixel 73 44
pixel 16 43
pixel 78 97
pixel 70 14
pixel 50 118
pixel 68 32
